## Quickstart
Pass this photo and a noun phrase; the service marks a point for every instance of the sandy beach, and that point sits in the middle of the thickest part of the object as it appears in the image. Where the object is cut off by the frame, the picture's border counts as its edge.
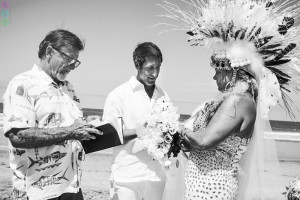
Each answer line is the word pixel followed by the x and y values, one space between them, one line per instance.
pixel 96 172
pixel 96 169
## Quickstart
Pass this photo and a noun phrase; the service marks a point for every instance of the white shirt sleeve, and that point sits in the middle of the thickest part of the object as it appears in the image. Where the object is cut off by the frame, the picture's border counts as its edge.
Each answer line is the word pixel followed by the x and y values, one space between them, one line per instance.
pixel 113 107
pixel 19 109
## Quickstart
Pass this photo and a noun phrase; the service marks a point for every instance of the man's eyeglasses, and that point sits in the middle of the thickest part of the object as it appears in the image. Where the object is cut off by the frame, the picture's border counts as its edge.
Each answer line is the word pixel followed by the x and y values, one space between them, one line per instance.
pixel 70 61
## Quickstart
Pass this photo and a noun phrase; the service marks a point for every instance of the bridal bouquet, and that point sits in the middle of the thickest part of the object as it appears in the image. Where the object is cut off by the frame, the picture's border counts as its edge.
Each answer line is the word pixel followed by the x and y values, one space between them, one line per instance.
pixel 159 135
pixel 293 190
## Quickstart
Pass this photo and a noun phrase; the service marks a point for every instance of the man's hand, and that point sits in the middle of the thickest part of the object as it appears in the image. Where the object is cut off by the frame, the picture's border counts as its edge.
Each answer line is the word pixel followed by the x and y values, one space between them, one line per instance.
pixel 82 130
pixel 93 118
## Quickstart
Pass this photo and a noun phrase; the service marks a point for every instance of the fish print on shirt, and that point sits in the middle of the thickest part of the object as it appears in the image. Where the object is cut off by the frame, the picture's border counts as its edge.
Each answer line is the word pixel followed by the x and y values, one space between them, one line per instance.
pixel 15 174
pixel 56 156
pixel 49 180
pixel 53 119
pixel 48 167
pixel 23 93
pixel 18 152
pixel 20 90
pixel 18 194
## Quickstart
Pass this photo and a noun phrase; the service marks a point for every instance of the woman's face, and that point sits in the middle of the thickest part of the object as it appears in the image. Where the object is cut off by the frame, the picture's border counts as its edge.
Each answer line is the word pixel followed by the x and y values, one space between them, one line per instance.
pixel 222 77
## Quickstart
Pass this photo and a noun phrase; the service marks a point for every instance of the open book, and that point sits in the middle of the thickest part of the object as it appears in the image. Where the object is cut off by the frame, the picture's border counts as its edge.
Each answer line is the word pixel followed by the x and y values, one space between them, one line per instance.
pixel 112 136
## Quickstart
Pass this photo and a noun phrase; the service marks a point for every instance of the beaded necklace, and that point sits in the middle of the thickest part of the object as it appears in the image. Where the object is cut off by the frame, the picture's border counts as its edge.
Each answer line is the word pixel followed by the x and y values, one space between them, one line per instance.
pixel 204 115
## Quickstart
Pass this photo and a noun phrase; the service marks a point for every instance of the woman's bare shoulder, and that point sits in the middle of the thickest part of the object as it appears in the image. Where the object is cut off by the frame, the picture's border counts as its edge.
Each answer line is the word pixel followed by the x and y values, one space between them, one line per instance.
pixel 242 102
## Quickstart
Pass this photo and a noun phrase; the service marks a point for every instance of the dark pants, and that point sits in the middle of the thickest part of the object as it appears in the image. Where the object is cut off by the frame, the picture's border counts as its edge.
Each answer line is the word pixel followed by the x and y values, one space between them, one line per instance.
pixel 70 196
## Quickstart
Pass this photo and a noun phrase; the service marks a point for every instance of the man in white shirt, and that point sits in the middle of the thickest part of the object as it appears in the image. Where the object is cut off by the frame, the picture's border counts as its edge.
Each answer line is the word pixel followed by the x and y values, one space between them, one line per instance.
pixel 136 176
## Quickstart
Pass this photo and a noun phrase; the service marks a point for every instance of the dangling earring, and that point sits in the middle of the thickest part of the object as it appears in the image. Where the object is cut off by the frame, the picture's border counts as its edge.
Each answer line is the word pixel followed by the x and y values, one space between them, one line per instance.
pixel 48 59
pixel 228 86
pixel 232 82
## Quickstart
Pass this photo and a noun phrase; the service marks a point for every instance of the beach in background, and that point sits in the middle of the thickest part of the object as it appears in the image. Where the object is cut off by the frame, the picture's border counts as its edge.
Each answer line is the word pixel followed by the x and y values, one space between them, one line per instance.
pixel 96 167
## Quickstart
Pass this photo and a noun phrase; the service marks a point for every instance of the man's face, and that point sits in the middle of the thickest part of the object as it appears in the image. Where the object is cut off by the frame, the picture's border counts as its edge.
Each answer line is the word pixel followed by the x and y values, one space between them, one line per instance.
pixel 59 66
pixel 148 72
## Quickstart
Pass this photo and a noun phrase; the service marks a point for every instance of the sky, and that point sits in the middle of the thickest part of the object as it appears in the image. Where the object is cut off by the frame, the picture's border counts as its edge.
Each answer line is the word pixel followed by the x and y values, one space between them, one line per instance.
pixel 111 30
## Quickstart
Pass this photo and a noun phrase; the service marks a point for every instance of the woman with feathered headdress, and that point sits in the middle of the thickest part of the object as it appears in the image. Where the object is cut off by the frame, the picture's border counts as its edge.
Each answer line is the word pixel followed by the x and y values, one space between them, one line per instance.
pixel 254 52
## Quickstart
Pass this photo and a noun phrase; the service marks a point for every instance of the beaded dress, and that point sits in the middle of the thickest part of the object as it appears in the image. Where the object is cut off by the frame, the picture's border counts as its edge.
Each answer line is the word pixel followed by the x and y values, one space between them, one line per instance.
pixel 213 174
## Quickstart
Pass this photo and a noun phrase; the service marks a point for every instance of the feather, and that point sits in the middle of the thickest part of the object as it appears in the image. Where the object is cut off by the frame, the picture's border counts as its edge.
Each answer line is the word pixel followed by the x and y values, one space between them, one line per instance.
pixel 250 33
pixel 279 72
pixel 223 35
pixel 276 62
pixel 237 34
pixel 287 23
pixel 256 34
pixel 190 33
pixel 243 34
pixel 286 50
pixel 216 33
pixel 271 46
pixel 261 42
pixel 269 4
pixel 268 52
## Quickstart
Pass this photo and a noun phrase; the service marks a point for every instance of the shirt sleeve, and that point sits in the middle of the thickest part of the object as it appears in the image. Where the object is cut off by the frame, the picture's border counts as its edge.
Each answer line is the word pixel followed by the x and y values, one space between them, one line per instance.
pixel 167 96
pixel 18 109
pixel 112 107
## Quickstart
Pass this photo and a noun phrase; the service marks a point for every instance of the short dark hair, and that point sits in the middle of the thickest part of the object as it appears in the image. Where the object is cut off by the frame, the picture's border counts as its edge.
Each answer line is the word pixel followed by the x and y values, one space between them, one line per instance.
pixel 145 50
pixel 60 38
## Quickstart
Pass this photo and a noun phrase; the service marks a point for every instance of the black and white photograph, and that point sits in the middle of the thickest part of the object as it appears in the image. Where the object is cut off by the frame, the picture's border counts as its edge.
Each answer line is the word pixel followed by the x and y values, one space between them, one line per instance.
pixel 150 100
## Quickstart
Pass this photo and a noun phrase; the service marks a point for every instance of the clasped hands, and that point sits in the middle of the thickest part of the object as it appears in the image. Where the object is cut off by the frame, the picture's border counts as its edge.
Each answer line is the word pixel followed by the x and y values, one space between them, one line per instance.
pixel 183 143
pixel 84 128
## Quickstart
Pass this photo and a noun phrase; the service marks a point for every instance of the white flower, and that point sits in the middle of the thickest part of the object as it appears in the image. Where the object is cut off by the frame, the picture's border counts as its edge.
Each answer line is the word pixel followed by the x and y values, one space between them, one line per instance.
pixel 167 164
pixel 297 185
pixel 161 125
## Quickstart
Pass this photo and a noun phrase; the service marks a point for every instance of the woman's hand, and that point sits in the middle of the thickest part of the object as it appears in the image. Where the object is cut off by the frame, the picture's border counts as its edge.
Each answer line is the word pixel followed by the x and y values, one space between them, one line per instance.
pixel 185 146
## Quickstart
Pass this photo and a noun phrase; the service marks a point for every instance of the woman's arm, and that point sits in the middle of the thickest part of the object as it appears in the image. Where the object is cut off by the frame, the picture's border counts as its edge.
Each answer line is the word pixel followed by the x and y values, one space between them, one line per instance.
pixel 236 114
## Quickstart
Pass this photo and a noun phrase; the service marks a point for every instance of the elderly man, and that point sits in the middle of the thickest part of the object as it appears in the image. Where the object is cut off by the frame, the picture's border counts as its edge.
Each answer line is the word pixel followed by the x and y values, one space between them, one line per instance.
pixel 42 121
pixel 136 176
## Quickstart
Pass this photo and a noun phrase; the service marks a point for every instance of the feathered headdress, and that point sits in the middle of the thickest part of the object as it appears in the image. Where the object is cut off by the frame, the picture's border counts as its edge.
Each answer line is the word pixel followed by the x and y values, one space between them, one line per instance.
pixel 258 36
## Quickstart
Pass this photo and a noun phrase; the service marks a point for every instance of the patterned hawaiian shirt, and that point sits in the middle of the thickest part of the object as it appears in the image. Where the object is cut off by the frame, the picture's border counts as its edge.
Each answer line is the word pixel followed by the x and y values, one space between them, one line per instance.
pixel 32 99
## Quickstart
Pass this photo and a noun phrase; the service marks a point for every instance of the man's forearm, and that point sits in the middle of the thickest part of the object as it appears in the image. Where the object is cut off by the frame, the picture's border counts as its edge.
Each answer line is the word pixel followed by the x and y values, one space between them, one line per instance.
pixel 39 137
pixel 129 134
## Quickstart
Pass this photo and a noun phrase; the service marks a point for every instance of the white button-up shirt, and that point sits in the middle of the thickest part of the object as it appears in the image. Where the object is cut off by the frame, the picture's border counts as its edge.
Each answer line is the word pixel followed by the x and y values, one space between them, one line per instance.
pixel 32 99
pixel 131 102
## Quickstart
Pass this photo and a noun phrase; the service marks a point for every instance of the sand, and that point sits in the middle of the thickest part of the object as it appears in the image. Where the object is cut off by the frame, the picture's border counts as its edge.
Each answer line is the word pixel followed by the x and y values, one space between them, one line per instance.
pixel 96 172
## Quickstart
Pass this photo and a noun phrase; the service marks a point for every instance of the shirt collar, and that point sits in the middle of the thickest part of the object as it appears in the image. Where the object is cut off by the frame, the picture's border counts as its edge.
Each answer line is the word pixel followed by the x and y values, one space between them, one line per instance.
pixel 43 77
pixel 135 84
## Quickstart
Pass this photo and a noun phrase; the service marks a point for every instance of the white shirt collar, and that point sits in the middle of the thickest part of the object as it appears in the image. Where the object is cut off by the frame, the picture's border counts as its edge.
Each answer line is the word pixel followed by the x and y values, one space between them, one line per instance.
pixel 41 74
pixel 137 85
